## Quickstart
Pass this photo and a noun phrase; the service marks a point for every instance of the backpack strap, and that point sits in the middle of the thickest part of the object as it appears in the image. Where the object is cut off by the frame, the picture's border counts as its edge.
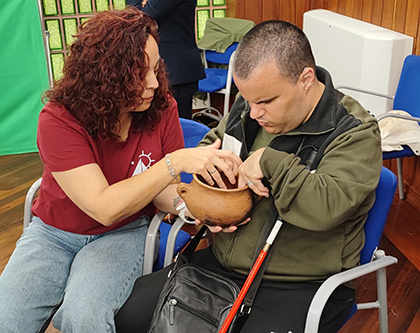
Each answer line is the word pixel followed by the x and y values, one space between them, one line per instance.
pixel 184 256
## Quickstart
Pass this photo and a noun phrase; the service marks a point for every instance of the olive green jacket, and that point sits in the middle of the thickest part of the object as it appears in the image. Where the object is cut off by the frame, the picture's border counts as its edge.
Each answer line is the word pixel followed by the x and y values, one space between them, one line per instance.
pixel 324 206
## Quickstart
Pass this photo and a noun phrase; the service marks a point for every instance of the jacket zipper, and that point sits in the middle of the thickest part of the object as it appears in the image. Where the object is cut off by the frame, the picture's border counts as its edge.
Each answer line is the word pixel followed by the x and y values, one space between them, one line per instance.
pixel 173 302
pixel 243 124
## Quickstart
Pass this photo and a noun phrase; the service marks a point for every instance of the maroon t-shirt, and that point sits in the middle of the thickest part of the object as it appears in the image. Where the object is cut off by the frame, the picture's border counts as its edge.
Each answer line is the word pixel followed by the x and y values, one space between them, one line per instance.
pixel 64 145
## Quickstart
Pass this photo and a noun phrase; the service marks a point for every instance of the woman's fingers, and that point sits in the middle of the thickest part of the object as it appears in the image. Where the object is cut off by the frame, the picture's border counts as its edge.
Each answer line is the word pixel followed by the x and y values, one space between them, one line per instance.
pixel 209 162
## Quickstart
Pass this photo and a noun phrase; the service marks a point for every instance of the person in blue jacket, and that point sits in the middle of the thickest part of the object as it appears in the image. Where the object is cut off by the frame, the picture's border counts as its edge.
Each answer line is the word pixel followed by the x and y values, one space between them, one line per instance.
pixel 178 48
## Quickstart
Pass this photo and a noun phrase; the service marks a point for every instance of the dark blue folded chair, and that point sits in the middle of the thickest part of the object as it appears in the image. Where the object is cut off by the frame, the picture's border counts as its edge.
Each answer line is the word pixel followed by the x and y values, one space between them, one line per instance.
pixel 218 80
pixel 172 238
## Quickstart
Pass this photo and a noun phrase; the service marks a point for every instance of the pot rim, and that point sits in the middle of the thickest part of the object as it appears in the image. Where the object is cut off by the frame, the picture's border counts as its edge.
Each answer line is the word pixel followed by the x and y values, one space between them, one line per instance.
pixel 219 189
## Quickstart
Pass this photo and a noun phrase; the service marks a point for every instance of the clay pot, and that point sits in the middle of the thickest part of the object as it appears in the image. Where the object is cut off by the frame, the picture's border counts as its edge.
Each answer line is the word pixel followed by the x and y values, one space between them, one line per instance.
pixel 215 206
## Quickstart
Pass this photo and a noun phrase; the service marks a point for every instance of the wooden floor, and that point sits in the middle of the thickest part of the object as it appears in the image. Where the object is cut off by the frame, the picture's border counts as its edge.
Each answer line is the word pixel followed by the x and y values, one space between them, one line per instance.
pixel 401 239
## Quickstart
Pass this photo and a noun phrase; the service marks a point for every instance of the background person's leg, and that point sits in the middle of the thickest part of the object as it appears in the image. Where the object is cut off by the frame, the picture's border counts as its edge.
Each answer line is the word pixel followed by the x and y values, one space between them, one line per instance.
pixel 183 94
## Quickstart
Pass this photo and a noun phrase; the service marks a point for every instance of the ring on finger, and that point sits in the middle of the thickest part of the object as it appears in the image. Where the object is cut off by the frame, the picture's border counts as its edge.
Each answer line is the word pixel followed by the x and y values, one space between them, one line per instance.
pixel 212 172
pixel 249 183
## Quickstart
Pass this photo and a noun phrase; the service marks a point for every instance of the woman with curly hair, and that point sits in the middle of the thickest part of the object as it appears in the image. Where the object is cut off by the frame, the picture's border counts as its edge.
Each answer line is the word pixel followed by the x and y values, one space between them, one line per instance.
pixel 111 143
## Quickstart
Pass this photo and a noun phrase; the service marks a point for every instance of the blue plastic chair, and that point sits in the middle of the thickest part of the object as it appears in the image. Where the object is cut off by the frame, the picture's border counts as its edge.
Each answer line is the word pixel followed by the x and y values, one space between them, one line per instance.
pixel 193 132
pixel 218 80
pixel 172 238
pixel 407 98
pixel 371 260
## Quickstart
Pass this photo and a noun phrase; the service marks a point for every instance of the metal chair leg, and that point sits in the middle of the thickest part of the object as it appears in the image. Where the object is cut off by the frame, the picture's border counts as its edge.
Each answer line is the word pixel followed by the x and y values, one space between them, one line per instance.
pixel 382 295
pixel 400 178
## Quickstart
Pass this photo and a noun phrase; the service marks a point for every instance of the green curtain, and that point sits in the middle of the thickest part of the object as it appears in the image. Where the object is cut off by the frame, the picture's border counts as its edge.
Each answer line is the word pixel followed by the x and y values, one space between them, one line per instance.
pixel 23 75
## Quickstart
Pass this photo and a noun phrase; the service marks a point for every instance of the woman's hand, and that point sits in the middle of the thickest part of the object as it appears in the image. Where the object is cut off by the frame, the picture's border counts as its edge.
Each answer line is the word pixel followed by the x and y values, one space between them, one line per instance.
pixel 208 162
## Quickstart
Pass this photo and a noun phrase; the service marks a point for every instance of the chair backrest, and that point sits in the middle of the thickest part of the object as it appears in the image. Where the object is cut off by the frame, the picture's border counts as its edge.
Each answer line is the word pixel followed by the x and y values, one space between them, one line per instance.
pixel 218 80
pixel 407 96
pixel 221 58
pixel 219 41
pixel 378 214
pixel 193 132
pixel 30 197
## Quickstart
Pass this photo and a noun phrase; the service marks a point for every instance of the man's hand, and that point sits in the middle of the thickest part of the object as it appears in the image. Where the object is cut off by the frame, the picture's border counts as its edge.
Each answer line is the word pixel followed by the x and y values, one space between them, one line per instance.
pixel 250 174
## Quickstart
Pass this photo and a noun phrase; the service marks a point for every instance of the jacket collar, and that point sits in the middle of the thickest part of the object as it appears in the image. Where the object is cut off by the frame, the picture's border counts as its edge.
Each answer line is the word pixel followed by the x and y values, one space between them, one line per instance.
pixel 323 119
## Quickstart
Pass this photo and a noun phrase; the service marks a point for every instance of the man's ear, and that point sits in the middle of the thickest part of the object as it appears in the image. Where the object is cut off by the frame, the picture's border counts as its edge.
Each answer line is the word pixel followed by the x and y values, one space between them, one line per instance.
pixel 308 78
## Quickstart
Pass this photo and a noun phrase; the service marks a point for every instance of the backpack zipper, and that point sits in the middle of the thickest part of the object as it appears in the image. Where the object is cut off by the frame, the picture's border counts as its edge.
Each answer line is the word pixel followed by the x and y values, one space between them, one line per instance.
pixel 173 302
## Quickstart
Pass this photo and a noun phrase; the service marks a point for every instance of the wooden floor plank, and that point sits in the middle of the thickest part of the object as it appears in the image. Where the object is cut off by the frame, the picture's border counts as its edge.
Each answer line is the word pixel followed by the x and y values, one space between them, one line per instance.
pixel 403 229
pixel 415 323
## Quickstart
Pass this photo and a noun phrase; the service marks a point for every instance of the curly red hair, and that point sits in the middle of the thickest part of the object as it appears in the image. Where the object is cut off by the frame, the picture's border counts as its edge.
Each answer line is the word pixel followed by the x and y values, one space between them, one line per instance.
pixel 106 72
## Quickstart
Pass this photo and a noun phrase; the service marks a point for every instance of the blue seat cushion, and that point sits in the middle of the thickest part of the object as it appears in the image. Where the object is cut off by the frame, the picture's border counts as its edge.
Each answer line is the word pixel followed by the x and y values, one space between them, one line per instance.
pixel 182 239
pixel 215 80
pixel 221 58
pixel 406 152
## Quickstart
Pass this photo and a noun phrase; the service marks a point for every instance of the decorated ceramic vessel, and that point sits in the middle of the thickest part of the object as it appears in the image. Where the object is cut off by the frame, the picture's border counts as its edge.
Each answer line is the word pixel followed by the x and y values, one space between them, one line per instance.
pixel 216 206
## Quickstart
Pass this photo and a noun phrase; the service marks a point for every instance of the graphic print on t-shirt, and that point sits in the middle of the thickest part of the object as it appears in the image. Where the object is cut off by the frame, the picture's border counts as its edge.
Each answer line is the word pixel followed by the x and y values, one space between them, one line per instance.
pixel 144 162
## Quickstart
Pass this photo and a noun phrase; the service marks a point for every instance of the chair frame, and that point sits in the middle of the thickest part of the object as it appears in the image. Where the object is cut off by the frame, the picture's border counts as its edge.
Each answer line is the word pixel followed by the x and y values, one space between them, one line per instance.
pixel 152 232
pixel 228 87
pixel 372 260
pixel 30 196
pixel 378 265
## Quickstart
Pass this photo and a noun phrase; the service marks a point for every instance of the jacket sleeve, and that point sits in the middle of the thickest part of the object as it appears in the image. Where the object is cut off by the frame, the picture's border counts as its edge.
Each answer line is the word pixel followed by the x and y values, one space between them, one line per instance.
pixel 347 174
pixel 215 133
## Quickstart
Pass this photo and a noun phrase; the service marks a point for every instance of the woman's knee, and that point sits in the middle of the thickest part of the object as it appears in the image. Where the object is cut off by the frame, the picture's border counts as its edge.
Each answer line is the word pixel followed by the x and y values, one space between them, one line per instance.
pixel 84 314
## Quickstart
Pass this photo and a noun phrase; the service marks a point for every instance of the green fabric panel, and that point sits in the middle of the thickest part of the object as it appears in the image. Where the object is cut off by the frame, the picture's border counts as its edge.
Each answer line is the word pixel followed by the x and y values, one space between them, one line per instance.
pixel 49 7
pixel 85 6
pixel 67 7
pixel 119 4
pixel 203 3
pixel 23 75
pixel 219 2
pixel 53 27
pixel 102 5
pixel 202 16
pixel 70 29
pixel 219 13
